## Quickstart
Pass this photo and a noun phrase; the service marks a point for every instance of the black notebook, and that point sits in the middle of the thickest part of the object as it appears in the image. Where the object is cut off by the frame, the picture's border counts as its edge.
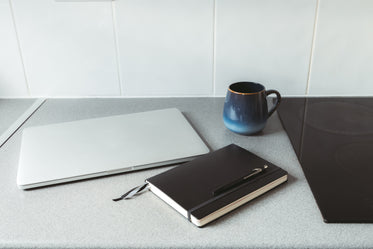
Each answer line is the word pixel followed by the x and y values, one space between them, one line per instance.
pixel 212 185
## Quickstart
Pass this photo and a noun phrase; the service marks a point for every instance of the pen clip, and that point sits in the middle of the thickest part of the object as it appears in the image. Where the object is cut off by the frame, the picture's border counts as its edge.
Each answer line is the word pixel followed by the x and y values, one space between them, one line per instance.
pixel 240 181
pixel 255 172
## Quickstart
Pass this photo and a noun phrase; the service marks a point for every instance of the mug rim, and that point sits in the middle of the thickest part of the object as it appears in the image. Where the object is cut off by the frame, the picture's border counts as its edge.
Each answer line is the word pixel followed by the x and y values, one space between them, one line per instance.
pixel 242 93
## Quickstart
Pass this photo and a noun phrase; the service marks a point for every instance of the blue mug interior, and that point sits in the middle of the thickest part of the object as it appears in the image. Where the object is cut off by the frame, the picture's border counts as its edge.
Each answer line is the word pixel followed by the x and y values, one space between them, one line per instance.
pixel 246 87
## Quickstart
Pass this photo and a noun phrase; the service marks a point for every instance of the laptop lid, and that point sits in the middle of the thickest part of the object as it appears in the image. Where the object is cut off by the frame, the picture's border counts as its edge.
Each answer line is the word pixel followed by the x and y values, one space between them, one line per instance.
pixel 89 148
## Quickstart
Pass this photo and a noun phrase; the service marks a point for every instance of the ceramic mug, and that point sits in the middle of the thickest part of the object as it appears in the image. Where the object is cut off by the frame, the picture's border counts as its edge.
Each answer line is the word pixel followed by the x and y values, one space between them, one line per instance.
pixel 245 108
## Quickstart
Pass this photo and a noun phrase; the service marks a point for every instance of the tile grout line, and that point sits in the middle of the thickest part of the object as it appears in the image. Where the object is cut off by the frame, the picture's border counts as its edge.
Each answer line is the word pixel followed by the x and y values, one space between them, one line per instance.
pixel 312 47
pixel 116 45
pixel 214 49
pixel 21 120
pixel 19 48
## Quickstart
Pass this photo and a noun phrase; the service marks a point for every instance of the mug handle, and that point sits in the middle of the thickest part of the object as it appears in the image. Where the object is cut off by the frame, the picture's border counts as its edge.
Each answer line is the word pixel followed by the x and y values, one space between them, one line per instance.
pixel 278 100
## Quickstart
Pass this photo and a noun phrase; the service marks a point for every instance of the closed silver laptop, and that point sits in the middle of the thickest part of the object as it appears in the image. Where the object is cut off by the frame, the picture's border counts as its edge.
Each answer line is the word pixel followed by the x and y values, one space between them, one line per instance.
pixel 89 148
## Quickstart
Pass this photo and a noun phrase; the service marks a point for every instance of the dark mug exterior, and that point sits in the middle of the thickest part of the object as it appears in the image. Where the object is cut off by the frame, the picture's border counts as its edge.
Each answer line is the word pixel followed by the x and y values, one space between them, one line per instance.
pixel 245 108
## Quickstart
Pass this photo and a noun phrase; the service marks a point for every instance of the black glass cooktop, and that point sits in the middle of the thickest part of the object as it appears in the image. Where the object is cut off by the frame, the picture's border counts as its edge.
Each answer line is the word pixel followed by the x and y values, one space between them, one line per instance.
pixel 333 139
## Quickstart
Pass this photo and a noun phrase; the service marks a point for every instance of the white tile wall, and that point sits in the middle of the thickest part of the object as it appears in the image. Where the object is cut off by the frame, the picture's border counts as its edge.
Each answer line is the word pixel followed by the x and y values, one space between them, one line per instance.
pixel 68 47
pixel 165 46
pixel 264 41
pixel 12 79
pixel 343 53
pixel 184 47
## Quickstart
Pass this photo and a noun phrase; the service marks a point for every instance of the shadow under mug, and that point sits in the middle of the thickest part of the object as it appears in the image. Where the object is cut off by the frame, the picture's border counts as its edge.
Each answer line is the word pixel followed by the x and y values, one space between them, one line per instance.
pixel 245 108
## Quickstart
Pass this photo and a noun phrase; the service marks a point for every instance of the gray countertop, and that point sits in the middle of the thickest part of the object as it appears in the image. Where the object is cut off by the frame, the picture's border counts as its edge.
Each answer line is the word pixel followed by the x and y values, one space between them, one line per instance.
pixel 13 112
pixel 10 110
pixel 82 214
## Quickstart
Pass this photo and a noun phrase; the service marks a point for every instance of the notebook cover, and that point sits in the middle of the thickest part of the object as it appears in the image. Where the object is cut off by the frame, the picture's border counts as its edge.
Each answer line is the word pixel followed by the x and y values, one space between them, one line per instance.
pixel 192 184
